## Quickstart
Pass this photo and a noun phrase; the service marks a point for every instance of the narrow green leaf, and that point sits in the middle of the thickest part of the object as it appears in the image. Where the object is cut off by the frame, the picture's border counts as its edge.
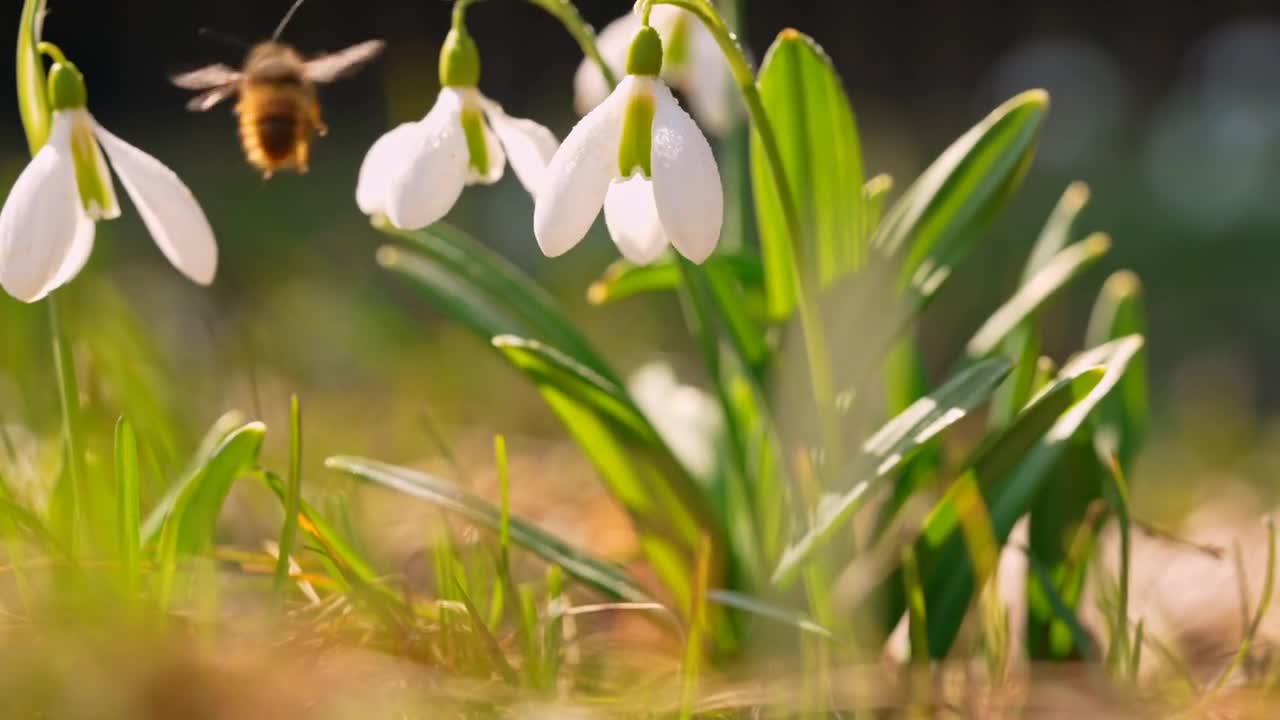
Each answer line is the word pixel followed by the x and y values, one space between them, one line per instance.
pixel 601 575
pixel 938 218
pixel 886 451
pixel 213 439
pixel 1054 276
pixel 33 101
pixel 292 500
pixel 624 279
pixel 1124 416
pixel 1062 610
pixel 484 291
pixel 190 526
pixel 1004 478
pixel 490 644
pixel 875 196
pixel 818 136
pixel 338 550
pixel 755 606
pixel 128 514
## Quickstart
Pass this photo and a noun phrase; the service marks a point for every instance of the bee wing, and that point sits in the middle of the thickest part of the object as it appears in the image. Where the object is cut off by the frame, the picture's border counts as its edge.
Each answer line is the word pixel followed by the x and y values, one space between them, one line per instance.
pixel 328 68
pixel 210 97
pixel 213 76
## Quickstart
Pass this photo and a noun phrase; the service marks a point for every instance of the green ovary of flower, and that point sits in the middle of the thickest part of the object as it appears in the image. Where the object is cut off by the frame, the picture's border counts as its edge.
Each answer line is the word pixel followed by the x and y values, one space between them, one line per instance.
pixel 66 87
pixel 635 151
pixel 477 147
pixel 645 55
pixel 459 60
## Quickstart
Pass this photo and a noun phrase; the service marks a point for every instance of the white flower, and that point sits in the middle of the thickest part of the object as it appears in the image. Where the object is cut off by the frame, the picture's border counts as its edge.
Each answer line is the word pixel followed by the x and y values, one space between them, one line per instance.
pixel 47 223
pixel 415 173
pixel 694 66
pixel 680 202
pixel 687 419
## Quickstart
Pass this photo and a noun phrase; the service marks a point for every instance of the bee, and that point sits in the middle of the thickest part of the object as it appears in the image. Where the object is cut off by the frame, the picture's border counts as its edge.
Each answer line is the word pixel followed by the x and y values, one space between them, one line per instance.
pixel 278 108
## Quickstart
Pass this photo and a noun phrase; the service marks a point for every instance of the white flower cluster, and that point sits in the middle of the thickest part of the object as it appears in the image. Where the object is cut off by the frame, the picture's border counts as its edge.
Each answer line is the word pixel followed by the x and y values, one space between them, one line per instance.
pixel 636 154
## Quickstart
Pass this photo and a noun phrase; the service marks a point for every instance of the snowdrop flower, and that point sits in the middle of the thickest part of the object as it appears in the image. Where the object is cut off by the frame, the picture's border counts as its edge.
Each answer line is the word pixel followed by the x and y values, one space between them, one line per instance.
pixel 694 65
pixel 642 158
pixel 415 173
pixel 687 419
pixel 47 223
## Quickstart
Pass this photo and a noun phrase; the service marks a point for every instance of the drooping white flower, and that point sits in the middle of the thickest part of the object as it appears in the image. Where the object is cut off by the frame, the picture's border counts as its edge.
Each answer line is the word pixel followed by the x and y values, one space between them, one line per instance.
pixel 415 173
pixel 47 223
pixel 687 419
pixel 643 159
pixel 694 65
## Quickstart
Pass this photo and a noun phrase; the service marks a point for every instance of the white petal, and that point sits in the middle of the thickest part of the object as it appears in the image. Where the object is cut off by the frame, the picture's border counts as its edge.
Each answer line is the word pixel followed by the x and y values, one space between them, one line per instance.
pixel 632 217
pixel 496 157
pixel 77 255
pixel 589 86
pixel 434 170
pixel 577 179
pixel 686 181
pixel 384 159
pixel 529 146
pixel 38 220
pixel 167 207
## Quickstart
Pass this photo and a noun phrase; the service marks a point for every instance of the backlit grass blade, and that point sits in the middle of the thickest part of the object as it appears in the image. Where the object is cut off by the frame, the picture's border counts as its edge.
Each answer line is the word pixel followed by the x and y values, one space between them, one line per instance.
pixel 189 527
pixel 292 500
pixel 1124 416
pixel 885 452
pixel 947 208
pixel 483 290
pixel 624 279
pixel 821 153
pixel 1003 480
pixel 755 606
pixel 330 542
pixel 1056 274
pixel 603 576
pixel 213 439
pixel 128 513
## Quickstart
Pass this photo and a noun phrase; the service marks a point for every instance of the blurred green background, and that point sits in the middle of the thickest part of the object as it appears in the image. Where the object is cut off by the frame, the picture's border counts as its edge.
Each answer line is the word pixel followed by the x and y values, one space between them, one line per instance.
pixel 1169 111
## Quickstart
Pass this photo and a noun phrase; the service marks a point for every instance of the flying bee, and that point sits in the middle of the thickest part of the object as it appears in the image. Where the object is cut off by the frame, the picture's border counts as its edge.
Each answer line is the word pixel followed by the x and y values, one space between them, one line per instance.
pixel 278 108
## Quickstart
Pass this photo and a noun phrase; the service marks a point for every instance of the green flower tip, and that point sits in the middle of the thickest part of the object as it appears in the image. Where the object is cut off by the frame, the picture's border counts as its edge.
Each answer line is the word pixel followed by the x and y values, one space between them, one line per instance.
pixel 66 83
pixel 645 55
pixel 459 59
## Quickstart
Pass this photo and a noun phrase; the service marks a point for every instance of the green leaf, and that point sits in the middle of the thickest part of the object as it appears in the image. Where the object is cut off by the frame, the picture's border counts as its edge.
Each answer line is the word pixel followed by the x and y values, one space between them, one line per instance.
pixel 875 196
pixel 330 541
pixel 482 290
pixel 666 505
pixel 33 101
pixel 1056 274
pixel 937 219
pixel 1124 415
pixel 292 500
pixel 756 606
pixel 603 576
pixel 886 451
pixel 624 279
pixel 189 528
pixel 822 157
pixel 128 513
pixel 1002 481
pixel 213 439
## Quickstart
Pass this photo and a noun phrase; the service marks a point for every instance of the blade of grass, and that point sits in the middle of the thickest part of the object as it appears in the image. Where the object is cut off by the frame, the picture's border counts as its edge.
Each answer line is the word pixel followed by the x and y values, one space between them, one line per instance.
pixel 1264 604
pixel 292 501
pixel 487 641
pixel 128 514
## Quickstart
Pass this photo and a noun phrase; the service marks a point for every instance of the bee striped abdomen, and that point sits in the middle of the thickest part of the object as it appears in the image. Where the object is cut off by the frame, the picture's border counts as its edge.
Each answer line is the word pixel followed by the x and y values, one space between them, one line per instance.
pixel 274 125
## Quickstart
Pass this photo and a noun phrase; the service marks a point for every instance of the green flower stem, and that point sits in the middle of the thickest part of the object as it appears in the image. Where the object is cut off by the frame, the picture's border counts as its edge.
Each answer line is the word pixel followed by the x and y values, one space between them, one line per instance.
pixel 820 375
pixel 567 13
pixel 33 104
pixel 69 399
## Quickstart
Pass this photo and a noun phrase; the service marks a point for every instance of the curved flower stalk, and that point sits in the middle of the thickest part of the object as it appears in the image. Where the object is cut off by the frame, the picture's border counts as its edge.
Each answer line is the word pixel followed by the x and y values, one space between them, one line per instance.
pixel 642 158
pixel 415 173
pixel 48 220
pixel 693 65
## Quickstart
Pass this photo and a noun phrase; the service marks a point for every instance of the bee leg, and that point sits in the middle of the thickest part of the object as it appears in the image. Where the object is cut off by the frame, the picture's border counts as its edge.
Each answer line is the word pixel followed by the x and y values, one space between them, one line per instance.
pixel 301 154
pixel 317 122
